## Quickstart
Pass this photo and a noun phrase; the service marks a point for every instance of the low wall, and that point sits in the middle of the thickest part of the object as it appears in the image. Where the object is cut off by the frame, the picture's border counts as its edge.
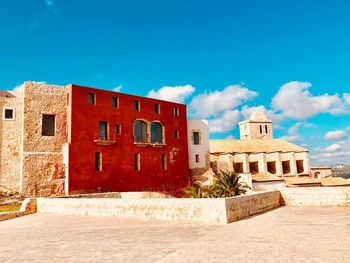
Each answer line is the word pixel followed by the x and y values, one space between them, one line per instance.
pixel 206 210
pixel 28 207
pixel 316 196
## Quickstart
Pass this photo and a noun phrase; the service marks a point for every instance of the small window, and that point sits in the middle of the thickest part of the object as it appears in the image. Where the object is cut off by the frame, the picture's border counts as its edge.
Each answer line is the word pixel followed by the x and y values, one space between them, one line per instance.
pixel 140 131
pixel 164 166
pixel 260 129
pixel 98 161
pixel 48 125
pixel 9 114
pixel 91 98
pixel 176 111
pixel 197 158
pixel 157 108
pixel 103 130
pixel 137 162
pixel 137 105
pixel 196 138
pixel 266 129
pixel 118 130
pixel 177 134
pixel 115 102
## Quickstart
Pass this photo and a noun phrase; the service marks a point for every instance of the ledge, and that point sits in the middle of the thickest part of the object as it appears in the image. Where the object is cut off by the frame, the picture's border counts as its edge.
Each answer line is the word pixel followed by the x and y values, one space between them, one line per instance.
pixel 104 142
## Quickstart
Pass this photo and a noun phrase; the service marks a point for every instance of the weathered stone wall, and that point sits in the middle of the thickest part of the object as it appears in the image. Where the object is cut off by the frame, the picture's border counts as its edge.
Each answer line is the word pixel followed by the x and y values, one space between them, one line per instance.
pixel 248 205
pixel 10 140
pixel 316 196
pixel 206 210
pixel 43 168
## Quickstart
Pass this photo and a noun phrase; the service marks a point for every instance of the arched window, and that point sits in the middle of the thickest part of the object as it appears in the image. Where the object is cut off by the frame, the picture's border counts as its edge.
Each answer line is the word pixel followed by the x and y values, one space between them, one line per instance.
pixel 140 131
pixel 156 132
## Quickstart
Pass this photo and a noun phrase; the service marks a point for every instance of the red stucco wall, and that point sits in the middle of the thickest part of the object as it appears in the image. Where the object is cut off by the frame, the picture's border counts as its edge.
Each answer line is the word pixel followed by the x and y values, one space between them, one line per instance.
pixel 118 172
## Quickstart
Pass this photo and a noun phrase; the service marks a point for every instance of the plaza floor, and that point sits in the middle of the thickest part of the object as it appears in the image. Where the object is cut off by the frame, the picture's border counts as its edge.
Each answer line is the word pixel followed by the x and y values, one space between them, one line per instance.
pixel 287 234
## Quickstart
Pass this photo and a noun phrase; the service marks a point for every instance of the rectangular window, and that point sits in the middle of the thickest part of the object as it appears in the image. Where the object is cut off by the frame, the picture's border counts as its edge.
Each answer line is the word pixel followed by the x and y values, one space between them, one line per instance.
pixel 285 167
pixel 98 161
pixel 176 134
pixel 8 114
pixel 91 98
pixel 118 129
pixel 300 166
pixel 48 125
pixel 197 158
pixel 238 167
pixel 266 129
pixel 271 167
pixel 157 108
pixel 253 167
pixel 164 166
pixel 115 102
pixel 137 165
pixel 137 105
pixel 196 138
pixel 103 130
pixel 176 111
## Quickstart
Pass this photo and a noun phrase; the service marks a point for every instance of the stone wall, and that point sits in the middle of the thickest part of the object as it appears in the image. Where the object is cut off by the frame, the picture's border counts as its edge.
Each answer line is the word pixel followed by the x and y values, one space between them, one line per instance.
pixel 316 196
pixel 43 169
pixel 206 210
pixel 10 141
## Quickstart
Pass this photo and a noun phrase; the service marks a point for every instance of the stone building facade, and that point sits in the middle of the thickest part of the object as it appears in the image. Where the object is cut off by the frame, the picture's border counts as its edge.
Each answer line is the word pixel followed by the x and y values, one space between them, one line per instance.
pixel 57 140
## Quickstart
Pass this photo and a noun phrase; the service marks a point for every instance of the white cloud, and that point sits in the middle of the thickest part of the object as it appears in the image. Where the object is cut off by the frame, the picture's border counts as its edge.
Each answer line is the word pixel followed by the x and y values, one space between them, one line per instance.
pixel 175 94
pixel 295 101
pixel 118 88
pixel 346 97
pixel 335 135
pixel 335 153
pixel 293 132
pixel 214 103
pixel 247 111
pixel 228 121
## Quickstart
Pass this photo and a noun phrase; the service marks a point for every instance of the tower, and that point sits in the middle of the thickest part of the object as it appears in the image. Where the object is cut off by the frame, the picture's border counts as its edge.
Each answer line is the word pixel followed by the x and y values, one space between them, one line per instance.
pixel 258 127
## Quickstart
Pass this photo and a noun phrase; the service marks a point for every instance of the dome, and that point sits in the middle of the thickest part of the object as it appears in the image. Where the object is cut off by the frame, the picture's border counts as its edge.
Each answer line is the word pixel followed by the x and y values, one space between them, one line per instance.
pixel 258 116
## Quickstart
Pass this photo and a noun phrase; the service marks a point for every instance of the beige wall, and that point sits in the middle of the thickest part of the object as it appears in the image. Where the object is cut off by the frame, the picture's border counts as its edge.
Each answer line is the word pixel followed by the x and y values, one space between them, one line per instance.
pixel 43 171
pixel 202 149
pixel 250 130
pixel 320 172
pixel 10 140
pixel 316 196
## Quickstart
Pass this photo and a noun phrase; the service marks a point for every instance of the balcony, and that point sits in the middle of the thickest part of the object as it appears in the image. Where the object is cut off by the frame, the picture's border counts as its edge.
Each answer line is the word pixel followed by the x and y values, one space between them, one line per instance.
pixel 105 140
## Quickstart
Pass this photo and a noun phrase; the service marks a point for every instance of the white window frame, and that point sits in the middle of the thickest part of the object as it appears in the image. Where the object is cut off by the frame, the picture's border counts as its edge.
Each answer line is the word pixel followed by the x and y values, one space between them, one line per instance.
pixel 13 114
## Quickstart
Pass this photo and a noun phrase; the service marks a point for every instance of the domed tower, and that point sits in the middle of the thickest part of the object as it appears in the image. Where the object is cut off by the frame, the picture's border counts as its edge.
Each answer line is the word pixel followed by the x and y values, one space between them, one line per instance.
pixel 258 127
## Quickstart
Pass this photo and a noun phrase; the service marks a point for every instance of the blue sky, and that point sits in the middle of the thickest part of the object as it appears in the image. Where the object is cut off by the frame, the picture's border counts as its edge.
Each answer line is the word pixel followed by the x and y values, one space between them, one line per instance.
pixel 289 58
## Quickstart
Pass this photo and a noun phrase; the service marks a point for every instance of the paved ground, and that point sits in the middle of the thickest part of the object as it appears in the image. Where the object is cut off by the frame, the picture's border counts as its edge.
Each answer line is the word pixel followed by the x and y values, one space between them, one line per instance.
pixel 283 235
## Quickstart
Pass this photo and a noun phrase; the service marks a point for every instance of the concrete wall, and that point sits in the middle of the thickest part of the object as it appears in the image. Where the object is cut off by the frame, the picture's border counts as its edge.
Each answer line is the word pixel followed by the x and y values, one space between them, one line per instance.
pixel 268 186
pixel 250 130
pixel 10 141
pixel 214 211
pixel 320 172
pixel 316 196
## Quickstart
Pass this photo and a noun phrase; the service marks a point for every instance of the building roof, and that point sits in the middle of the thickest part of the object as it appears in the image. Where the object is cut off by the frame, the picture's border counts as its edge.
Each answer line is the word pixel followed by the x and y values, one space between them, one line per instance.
pixel 266 177
pixel 329 181
pixel 253 146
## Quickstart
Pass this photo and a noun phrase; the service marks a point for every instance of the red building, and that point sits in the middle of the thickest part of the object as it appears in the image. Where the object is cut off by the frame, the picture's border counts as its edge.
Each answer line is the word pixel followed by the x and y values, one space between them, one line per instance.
pixel 120 142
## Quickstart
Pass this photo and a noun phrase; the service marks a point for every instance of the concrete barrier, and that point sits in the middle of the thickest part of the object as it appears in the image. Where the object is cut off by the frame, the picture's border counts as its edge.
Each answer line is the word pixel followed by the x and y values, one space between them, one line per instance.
pixel 316 196
pixel 207 210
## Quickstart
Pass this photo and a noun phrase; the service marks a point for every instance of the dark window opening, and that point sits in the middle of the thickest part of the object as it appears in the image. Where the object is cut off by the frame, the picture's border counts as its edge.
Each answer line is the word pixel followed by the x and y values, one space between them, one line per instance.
pixel 157 108
pixel 118 129
pixel 196 138
pixel 115 102
pixel 197 158
pixel 103 130
pixel 271 167
pixel 156 132
pixel 98 161
pixel 300 166
pixel 260 129
pixel 137 166
pixel 140 131
pixel 176 134
pixel 238 167
pixel 137 105
pixel 164 164
pixel 254 167
pixel 176 111
pixel 48 126
pixel 286 167
pixel 266 129
pixel 8 114
pixel 91 98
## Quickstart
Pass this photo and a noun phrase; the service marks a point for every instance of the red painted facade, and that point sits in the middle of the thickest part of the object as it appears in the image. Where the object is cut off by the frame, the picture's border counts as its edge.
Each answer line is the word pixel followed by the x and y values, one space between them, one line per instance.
pixel 118 151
